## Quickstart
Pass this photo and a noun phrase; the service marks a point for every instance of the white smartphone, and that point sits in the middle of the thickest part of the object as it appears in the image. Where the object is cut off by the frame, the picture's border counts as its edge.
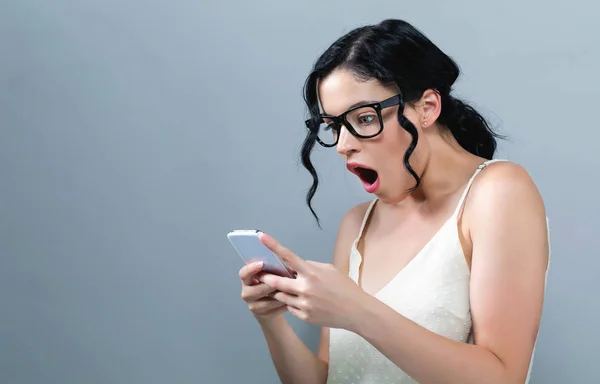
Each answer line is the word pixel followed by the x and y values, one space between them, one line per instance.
pixel 248 245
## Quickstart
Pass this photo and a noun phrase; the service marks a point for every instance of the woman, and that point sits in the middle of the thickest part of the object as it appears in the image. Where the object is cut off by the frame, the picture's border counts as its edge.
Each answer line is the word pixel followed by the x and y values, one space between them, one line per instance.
pixel 441 278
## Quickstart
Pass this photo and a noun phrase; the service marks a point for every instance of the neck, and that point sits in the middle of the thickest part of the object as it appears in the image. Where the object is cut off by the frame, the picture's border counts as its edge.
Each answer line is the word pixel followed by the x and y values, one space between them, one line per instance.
pixel 446 170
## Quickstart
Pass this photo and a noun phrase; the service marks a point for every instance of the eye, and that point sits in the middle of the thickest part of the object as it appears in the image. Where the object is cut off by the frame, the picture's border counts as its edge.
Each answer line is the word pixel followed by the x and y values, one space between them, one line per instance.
pixel 328 125
pixel 366 119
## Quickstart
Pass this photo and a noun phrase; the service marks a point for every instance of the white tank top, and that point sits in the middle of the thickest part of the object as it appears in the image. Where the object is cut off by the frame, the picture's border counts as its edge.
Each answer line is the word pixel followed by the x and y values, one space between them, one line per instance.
pixel 431 290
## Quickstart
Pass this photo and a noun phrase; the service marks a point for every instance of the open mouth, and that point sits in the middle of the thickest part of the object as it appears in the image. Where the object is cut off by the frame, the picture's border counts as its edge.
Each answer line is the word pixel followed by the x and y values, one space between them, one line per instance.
pixel 368 176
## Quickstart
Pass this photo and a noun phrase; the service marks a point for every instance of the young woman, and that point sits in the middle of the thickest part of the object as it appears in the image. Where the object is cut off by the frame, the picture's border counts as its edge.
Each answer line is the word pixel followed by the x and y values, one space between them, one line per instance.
pixel 439 279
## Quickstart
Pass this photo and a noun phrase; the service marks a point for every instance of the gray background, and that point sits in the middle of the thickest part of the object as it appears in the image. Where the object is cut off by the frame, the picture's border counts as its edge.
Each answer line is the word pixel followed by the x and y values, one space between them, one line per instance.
pixel 134 135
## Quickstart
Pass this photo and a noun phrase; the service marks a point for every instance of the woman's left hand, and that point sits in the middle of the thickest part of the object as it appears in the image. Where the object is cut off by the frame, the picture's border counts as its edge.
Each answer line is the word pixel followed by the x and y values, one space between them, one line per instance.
pixel 320 294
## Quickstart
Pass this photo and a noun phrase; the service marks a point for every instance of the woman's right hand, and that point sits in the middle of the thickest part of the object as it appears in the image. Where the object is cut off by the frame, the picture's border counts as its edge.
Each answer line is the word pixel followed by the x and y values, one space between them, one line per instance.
pixel 257 294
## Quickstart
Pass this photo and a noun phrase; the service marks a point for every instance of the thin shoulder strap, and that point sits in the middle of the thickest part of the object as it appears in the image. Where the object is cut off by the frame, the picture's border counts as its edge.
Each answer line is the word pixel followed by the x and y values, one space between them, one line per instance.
pixel 366 218
pixel 468 187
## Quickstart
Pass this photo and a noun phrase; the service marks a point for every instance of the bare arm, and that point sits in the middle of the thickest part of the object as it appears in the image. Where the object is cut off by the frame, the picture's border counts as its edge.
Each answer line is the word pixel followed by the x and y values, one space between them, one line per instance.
pixel 294 361
pixel 507 225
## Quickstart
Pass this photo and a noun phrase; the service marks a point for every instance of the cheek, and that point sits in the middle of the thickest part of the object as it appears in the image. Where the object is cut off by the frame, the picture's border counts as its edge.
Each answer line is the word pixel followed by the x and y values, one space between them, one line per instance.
pixel 392 149
pixel 412 115
pixel 395 139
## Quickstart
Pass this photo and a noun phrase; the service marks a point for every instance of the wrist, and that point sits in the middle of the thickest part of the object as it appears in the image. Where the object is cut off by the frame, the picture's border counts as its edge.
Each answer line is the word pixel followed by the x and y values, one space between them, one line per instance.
pixel 270 322
pixel 366 309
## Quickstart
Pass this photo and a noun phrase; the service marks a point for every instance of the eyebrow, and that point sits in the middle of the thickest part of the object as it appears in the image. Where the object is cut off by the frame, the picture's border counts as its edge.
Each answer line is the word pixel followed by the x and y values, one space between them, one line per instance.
pixel 357 104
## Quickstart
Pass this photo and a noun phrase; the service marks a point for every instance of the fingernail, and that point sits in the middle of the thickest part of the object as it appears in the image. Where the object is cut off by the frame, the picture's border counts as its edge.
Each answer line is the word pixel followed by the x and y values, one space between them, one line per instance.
pixel 265 237
pixel 258 264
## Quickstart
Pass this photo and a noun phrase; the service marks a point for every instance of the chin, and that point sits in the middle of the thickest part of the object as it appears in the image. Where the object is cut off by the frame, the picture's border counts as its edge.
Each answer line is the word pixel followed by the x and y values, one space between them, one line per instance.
pixel 388 197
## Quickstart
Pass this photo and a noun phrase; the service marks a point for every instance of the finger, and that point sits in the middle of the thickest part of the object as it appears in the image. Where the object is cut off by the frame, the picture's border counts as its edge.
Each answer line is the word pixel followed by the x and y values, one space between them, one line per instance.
pixel 280 283
pixel 255 279
pixel 287 256
pixel 287 299
pixel 274 304
pixel 280 310
pixel 265 305
pixel 273 310
pixel 318 264
pixel 249 270
pixel 255 292
pixel 297 313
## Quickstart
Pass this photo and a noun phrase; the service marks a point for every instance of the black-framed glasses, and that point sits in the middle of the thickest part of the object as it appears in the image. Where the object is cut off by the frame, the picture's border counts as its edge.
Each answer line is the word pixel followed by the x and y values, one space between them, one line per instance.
pixel 363 121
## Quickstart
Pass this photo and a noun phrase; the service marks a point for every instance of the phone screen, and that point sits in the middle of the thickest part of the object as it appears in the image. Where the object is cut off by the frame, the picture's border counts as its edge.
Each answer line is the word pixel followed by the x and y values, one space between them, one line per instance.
pixel 248 245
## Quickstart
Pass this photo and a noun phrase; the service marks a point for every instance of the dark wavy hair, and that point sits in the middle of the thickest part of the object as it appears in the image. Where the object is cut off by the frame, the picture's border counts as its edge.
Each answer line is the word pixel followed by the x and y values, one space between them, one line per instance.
pixel 398 55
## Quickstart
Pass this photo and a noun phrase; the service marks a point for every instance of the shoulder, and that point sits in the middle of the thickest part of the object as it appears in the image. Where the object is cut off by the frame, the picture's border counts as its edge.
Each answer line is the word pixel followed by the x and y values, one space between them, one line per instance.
pixel 502 172
pixel 505 208
pixel 501 186
pixel 352 220
pixel 347 232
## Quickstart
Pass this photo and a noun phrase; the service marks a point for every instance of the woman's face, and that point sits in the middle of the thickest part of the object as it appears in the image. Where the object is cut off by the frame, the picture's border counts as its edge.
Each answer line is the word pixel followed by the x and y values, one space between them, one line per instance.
pixel 382 155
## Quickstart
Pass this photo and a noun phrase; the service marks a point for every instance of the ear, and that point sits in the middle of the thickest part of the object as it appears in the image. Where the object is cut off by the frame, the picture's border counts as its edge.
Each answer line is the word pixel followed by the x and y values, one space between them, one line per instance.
pixel 431 107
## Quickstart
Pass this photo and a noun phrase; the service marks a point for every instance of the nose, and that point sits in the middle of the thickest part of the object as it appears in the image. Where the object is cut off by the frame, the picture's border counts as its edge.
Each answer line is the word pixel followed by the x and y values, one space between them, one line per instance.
pixel 347 142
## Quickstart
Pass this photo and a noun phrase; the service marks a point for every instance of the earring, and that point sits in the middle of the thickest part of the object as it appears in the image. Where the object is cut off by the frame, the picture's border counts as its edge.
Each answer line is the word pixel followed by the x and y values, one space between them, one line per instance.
pixel 424 123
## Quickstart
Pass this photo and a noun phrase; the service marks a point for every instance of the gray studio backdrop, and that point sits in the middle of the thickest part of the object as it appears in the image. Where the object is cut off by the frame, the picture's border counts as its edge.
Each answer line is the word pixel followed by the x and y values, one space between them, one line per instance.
pixel 134 135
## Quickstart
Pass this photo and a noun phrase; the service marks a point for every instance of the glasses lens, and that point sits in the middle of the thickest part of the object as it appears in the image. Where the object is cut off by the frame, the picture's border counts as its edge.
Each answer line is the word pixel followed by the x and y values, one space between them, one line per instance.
pixel 328 132
pixel 365 121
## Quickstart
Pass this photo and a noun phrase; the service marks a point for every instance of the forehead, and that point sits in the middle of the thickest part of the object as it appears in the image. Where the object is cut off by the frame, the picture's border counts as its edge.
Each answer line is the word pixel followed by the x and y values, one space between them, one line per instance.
pixel 341 91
